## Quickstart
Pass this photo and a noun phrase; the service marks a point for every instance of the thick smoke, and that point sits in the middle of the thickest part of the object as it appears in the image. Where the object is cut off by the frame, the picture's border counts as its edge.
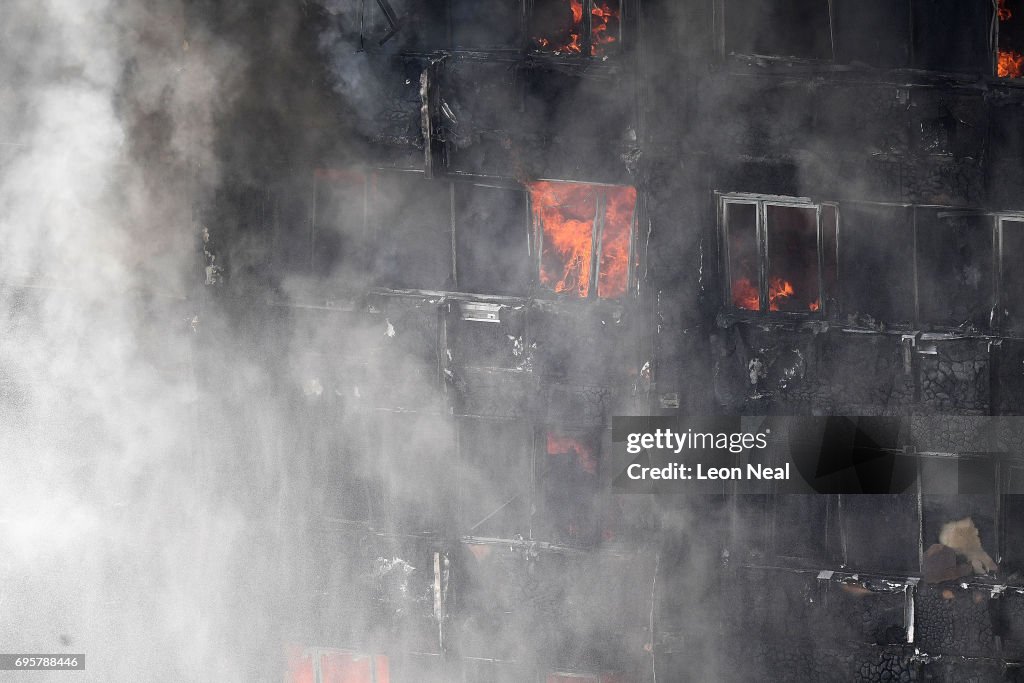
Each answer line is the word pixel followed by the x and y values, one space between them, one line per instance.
pixel 111 543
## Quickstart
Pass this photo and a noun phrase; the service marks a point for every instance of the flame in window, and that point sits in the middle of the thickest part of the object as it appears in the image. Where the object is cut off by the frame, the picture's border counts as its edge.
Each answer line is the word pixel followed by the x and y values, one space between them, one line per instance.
pixel 559 444
pixel 613 274
pixel 604 16
pixel 565 213
pixel 1010 63
pixel 746 296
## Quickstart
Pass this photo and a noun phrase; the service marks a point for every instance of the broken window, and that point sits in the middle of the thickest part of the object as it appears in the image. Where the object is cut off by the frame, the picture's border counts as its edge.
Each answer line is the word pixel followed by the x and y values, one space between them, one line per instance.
pixel 568 473
pixel 953 36
pixel 1011 278
pixel 781 28
pixel 877 262
pixel 772 257
pixel 954 268
pixel 494 483
pixel 491 239
pixel 576 27
pixel 873 32
pixel 582 228
pixel 1009 57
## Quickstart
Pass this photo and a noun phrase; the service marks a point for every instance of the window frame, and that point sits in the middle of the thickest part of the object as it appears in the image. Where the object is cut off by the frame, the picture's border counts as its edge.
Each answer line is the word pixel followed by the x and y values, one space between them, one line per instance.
pixel 761 203
pixel 536 233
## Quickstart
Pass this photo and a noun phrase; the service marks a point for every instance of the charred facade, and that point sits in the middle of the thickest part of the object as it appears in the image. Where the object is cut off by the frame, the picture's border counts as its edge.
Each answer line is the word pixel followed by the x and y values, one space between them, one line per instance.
pixel 479 230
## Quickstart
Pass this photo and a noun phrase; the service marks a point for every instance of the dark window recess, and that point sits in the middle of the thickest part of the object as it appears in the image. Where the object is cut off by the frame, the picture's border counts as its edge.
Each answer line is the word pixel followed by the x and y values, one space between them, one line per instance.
pixel 876 262
pixel 568 477
pixel 954 278
pixel 830 254
pixel 782 28
pixel 792 258
pixel 880 532
pixel 788 245
pixel 576 27
pixel 413 232
pixel 744 266
pixel 800 529
pixel 491 236
pixel 951 35
pixel 339 240
pixel 1011 275
pixel 873 32
pixel 479 25
pixel 494 483
pixel 1009 57
pixel 581 227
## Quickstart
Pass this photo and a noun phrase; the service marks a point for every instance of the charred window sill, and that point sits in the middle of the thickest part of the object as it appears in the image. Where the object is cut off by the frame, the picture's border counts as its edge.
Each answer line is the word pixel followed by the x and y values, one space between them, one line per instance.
pixel 789 321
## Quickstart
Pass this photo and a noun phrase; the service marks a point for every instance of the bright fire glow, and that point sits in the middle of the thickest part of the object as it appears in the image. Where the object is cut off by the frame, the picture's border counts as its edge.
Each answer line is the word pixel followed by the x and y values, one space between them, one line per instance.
pixel 746 296
pixel 565 214
pixel 559 444
pixel 613 274
pixel 1011 64
pixel 604 15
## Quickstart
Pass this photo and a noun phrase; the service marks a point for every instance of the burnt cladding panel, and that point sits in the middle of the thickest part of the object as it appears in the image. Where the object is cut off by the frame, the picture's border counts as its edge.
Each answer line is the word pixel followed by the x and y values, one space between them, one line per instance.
pixel 950 35
pixel 413 232
pixel 783 28
pixel 491 231
pixel 876 262
pixel 875 32
pixel 954 268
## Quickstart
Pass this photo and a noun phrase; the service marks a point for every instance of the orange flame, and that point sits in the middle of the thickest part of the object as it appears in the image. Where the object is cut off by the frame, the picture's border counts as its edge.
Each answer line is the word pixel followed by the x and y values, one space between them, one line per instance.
pixel 746 296
pixel 565 213
pixel 778 289
pixel 613 274
pixel 602 13
pixel 1010 65
pixel 577 10
pixel 559 444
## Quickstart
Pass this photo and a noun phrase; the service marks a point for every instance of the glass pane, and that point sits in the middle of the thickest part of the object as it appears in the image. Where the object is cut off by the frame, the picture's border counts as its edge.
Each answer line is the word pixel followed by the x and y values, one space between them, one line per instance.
pixel 613 274
pixel 792 259
pixel 954 278
pixel 563 216
pixel 741 227
pixel 784 28
pixel 878 263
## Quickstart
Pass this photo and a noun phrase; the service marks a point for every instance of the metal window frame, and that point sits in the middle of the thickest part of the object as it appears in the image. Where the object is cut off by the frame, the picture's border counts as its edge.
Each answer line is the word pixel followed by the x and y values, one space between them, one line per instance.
pixel 536 232
pixel 762 202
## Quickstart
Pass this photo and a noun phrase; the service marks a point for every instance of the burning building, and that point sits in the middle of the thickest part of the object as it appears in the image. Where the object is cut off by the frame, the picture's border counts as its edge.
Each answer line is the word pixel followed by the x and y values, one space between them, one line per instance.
pixel 449 240
pixel 548 213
